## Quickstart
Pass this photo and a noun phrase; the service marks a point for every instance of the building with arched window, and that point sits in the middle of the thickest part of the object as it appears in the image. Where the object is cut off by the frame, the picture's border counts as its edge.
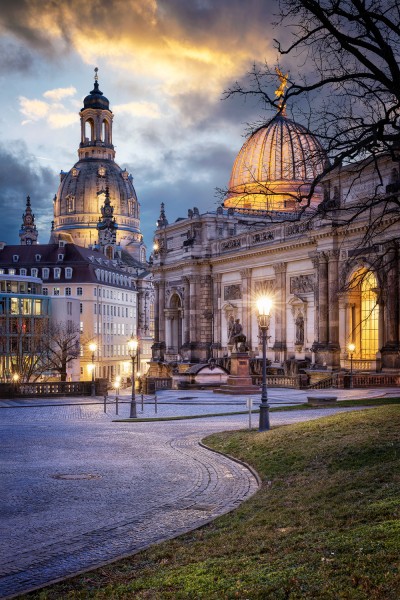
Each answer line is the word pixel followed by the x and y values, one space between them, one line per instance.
pixel 330 267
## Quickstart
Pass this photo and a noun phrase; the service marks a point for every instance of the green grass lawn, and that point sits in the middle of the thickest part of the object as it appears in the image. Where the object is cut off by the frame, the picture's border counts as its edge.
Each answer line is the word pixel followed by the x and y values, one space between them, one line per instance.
pixel 325 523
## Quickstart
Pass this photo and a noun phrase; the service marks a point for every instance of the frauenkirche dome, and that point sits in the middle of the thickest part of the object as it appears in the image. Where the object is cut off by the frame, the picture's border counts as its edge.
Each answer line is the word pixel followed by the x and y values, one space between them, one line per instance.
pixel 82 190
pixel 276 166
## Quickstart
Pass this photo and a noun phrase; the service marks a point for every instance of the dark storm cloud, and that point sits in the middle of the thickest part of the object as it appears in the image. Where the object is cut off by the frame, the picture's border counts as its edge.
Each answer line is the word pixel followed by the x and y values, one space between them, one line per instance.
pixel 20 176
pixel 14 58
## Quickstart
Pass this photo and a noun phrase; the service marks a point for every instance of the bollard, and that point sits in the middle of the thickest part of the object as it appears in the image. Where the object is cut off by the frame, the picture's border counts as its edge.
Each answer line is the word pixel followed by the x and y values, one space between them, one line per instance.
pixel 116 404
pixel 105 403
pixel 155 403
pixel 142 403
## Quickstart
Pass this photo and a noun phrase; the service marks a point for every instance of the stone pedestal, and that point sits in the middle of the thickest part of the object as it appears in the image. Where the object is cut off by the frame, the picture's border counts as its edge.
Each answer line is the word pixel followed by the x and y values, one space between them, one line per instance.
pixel 239 381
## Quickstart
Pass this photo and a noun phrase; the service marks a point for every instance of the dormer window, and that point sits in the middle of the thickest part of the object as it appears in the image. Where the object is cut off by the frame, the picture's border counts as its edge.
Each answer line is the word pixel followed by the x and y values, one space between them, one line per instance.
pixel 34 272
pixel 61 257
pixel 38 257
pixel 11 271
pixel 57 273
pixel 61 243
pixel 15 258
pixel 45 273
pixel 22 272
pixel 68 273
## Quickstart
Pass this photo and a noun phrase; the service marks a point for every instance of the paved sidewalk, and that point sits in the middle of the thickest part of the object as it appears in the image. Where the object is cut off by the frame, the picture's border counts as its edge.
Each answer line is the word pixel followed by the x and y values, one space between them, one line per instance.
pixel 82 490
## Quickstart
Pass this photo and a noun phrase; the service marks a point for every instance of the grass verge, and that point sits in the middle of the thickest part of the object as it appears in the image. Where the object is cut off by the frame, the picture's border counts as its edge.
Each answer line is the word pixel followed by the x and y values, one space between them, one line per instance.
pixel 325 523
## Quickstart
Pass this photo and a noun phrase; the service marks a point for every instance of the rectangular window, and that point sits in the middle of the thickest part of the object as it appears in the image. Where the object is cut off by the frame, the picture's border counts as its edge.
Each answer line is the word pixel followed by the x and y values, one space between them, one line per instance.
pixel 69 308
pixel 57 273
pixel 95 308
pixel 81 326
pixel 95 327
pixel 68 273
pixel 45 291
pixel 38 307
pixel 68 291
pixel 56 291
pixel 79 291
pixel 80 307
pixel 11 271
pixel 45 273
pixel 22 272
pixel 95 291
pixel 34 272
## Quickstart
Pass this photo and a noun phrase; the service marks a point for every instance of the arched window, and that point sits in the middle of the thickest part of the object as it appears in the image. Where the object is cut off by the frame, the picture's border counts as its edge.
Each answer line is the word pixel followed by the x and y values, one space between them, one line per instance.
pixel 369 317
pixel 105 132
pixel 89 130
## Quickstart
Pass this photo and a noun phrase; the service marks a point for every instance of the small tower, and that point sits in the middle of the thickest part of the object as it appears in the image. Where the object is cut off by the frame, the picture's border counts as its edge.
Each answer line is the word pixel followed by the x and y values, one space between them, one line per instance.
pixel 28 234
pixel 107 228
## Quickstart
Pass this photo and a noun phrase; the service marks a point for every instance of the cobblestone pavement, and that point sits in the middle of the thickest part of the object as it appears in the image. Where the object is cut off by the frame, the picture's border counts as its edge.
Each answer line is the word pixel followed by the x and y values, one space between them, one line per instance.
pixel 81 490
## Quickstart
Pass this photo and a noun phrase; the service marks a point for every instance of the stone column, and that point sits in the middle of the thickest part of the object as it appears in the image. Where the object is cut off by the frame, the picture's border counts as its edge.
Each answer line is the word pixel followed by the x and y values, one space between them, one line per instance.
pixel 186 310
pixel 280 311
pixel 390 351
pixel 315 262
pixel 161 307
pixel 246 306
pixel 156 312
pixel 323 297
pixel 217 334
pixel 333 299
pixel 193 338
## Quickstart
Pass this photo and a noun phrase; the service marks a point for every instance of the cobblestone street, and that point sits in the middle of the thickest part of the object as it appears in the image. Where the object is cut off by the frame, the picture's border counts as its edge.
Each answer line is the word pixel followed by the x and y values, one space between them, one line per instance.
pixel 80 490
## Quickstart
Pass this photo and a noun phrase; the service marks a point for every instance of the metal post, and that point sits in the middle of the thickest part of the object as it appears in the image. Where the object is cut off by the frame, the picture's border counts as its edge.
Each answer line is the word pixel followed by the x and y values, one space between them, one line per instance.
pixel 264 424
pixel 133 413
pixel 155 403
pixel 116 403
pixel 142 403
pixel 351 370
pixel 93 391
pixel 105 403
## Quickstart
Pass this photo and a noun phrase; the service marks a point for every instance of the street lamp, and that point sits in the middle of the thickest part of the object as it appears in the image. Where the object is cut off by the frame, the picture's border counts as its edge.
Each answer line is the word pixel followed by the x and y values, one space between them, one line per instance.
pixel 264 305
pixel 93 348
pixel 351 347
pixel 132 347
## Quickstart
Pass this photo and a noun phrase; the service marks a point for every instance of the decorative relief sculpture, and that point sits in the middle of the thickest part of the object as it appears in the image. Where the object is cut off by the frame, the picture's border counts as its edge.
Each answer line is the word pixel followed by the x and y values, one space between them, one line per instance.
pixel 232 292
pixel 265 236
pixel 302 284
pixel 229 245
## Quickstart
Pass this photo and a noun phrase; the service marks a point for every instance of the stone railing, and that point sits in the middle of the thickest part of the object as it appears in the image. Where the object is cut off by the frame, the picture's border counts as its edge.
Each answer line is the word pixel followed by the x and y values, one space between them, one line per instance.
pixel 366 380
pixel 46 389
pixel 285 381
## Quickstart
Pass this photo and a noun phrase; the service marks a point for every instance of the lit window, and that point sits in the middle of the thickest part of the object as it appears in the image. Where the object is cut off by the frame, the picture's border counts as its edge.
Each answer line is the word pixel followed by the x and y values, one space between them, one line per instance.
pixel 56 291
pixel 81 326
pixel 11 271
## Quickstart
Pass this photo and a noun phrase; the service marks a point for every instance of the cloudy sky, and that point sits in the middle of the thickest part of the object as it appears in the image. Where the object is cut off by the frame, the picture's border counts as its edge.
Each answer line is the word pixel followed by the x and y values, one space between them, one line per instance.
pixel 163 64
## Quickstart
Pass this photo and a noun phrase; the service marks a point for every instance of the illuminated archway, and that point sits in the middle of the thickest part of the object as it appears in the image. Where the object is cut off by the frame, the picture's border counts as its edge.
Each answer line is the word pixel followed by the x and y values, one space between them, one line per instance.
pixel 369 317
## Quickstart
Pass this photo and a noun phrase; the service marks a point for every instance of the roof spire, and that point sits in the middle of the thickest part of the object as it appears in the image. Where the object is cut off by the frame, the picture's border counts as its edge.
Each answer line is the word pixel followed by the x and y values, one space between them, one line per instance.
pixel 162 219
pixel 280 92
pixel 28 233
pixel 96 79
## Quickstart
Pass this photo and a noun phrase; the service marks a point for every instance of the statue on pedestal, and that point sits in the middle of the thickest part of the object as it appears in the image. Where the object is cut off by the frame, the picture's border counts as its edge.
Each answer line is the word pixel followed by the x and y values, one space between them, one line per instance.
pixel 237 337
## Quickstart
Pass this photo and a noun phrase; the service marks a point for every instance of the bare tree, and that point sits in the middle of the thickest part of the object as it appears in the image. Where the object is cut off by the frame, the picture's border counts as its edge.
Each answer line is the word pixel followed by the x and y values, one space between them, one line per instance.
pixel 344 58
pixel 62 347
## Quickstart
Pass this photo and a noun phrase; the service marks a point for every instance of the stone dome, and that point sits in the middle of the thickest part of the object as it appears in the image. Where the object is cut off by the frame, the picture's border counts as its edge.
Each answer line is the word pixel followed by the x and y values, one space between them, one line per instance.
pixel 275 166
pixel 81 195
pixel 82 190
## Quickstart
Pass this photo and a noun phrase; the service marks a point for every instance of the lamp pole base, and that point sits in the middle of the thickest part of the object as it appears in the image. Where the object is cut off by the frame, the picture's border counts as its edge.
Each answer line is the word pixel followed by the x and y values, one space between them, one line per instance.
pixel 264 424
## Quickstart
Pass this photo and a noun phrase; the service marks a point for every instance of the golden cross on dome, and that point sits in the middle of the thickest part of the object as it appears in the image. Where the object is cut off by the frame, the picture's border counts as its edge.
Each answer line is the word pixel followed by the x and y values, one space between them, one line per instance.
pixel 280 92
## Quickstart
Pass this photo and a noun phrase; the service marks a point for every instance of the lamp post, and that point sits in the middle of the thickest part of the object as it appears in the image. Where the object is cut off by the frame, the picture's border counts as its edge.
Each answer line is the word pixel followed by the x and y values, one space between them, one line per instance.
pixel 351 347
pixel 264 308
pixel 132 347
pixel 93 348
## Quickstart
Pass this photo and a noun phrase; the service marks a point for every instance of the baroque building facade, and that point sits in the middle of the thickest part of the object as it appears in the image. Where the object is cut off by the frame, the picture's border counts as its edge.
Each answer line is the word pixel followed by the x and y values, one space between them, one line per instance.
pixel 332 281
pixel 96 257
